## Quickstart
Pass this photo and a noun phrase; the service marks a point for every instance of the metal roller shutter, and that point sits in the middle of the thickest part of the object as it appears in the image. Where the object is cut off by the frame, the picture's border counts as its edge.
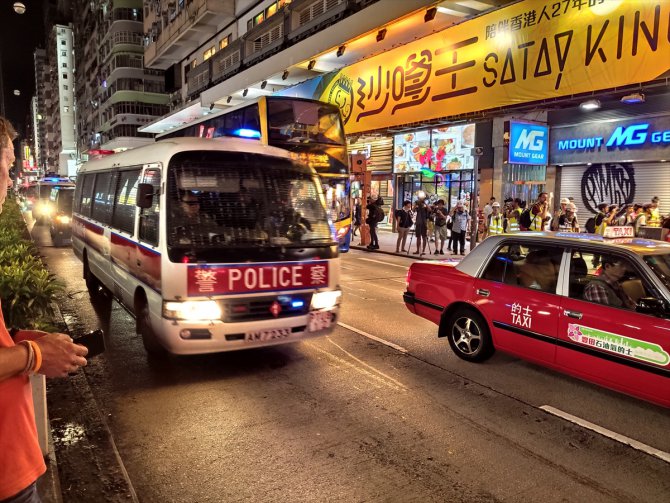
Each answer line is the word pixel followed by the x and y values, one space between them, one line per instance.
pixel 610 183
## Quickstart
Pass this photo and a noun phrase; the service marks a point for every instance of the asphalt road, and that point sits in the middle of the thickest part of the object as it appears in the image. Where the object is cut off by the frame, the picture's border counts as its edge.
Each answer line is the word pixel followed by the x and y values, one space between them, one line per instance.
pixel 380 410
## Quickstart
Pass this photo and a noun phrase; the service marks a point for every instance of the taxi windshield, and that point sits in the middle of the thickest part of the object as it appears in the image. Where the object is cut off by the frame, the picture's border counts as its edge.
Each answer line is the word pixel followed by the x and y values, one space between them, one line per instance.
pixel 660 264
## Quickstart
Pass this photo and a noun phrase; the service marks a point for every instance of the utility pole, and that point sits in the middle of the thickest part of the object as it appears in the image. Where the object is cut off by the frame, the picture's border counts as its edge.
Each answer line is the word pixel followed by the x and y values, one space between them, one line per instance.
pixel 474 207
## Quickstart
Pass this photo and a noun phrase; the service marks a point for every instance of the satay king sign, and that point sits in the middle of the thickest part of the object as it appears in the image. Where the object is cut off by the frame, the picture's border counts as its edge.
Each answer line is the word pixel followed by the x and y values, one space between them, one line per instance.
pixel 255 278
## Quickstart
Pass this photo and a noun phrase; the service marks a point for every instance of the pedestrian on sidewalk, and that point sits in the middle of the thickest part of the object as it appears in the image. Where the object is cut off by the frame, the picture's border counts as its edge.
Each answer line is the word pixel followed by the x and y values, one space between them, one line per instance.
pixel 459 227
pixel 375 215
pixel 403 218
pixel 440 219
pixel 22 354
pixel 357 216
pixel 421 225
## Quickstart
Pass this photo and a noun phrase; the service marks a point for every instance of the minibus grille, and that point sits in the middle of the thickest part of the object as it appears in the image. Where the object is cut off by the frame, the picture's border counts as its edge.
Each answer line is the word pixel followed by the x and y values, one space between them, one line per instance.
pixel 265 308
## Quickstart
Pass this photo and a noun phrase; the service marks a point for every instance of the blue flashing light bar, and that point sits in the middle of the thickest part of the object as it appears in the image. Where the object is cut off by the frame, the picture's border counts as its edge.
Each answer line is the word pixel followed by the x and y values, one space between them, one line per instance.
pixel 247 133
pixel 297 303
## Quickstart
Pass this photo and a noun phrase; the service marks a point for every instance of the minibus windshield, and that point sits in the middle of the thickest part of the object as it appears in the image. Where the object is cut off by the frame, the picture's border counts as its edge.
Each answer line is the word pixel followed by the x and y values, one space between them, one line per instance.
pixel 232 200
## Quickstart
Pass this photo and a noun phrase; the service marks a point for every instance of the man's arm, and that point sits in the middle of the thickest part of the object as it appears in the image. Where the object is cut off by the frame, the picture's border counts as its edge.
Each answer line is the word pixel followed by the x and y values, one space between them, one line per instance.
pixel 12 361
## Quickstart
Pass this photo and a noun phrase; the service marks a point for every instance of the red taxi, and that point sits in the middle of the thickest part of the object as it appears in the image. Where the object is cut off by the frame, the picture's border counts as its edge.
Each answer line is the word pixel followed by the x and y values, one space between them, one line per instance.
pixel 595 308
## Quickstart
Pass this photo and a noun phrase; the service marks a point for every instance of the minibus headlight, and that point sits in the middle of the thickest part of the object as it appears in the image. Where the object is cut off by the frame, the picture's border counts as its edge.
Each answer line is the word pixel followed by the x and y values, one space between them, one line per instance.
pixel 192 310
pixel 326 300
pixel 63 219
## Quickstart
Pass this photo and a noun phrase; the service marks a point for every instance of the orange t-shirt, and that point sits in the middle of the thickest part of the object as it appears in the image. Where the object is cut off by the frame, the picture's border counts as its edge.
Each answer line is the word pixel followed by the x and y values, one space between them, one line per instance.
pixel 21 461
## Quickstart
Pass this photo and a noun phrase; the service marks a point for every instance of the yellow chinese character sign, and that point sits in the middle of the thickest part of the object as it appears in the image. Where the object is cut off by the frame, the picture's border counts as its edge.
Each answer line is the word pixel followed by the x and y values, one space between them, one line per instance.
pixel 529 51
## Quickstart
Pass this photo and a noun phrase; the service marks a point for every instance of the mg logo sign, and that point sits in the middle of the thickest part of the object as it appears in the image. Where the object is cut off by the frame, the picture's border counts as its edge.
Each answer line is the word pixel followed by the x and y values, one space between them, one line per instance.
pixel 631 135
pixel 530 140
pixel 528 143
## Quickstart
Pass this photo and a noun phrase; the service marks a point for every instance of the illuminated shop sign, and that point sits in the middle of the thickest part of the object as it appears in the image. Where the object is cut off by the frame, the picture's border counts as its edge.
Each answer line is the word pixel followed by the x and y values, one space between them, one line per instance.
pixel 528 144
pixel 528 51
pixel 615 141
pixel 623 136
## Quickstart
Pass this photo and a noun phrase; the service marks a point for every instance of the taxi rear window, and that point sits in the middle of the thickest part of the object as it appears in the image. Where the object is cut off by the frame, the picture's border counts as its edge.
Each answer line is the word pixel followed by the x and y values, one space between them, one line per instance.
pixel 527 266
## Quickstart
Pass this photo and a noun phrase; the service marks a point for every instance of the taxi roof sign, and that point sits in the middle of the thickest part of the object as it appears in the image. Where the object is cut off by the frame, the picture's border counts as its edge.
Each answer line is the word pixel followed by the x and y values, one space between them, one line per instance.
pixel 619 231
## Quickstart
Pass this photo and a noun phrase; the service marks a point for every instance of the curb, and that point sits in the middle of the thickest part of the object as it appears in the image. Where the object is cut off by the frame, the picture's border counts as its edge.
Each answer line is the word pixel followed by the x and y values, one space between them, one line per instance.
pixel 426 256
pixel 48 485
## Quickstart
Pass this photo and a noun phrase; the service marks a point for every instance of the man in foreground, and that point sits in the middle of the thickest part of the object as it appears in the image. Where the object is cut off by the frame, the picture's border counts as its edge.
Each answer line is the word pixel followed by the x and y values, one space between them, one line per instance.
pixel 22 354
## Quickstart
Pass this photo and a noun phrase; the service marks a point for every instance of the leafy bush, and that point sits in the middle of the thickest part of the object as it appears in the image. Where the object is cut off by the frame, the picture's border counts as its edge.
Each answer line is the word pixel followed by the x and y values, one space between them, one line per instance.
pixel 27 289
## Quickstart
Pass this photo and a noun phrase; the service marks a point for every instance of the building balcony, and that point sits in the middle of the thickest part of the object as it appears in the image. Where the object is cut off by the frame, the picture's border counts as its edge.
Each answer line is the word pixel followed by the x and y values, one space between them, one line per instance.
pixel 186 30
pixel 308 16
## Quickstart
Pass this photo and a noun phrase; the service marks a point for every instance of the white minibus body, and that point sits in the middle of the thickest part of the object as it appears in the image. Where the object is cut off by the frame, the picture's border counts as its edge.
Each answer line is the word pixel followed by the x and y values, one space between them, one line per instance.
pixel 214 244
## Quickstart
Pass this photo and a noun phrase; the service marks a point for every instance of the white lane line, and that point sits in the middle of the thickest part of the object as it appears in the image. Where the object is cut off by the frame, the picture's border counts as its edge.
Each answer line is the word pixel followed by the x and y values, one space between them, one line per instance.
pixel 374 338
pixel 382 262
pixel 361 362
pixel 652 451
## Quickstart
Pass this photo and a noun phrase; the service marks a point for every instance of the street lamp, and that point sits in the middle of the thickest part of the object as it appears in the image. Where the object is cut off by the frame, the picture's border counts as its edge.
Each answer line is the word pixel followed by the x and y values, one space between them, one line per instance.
pixel 19 7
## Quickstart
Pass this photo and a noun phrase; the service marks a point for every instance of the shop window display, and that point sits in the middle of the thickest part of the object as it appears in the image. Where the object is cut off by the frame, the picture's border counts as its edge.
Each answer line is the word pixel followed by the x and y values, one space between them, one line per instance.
pixel 437 162
pixel 523 181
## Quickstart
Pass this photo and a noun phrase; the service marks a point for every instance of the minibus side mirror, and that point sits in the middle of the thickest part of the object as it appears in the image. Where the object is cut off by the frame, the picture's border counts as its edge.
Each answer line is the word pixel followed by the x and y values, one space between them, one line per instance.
pixel 145 195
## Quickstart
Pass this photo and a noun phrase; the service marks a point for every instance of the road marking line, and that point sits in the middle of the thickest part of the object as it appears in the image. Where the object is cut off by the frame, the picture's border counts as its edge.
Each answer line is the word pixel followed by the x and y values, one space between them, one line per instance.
pixel 382 262
pixel 374 338
pixel 382 374
pixel 652 451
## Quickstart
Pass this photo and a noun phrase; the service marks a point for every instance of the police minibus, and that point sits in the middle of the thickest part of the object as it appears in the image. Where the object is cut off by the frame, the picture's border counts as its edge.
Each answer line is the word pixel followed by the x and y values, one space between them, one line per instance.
pixel 214 244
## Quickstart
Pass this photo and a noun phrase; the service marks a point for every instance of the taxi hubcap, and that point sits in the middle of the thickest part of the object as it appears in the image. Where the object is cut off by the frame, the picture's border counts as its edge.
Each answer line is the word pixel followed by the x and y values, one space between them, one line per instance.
pixel 466 335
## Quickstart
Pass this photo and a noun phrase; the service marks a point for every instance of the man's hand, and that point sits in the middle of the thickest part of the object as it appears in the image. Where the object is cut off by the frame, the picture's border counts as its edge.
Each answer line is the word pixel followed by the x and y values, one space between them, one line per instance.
pixel 60 356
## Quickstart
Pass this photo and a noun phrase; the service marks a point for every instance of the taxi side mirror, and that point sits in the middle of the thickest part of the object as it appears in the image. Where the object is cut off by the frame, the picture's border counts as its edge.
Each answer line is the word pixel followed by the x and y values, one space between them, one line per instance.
pixel 653 306
pixel 145 195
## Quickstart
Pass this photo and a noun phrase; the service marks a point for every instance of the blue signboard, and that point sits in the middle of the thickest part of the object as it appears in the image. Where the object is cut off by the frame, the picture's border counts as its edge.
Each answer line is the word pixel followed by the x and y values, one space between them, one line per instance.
pixel 528 143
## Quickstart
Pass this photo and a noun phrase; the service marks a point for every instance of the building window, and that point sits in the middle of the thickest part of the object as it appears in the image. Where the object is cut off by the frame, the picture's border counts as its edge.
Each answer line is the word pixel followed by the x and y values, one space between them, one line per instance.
pixel 62 42
pixel 66 109
pixel 64 65
pixel 223 43
pixel 63 53
pixel 65 76
pixel 194 63
pixel 65 87
pixel 208 53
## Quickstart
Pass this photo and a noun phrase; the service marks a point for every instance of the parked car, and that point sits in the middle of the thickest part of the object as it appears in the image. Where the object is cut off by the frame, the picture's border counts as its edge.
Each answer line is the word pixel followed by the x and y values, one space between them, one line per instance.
pixel 526 294
pixel 60 219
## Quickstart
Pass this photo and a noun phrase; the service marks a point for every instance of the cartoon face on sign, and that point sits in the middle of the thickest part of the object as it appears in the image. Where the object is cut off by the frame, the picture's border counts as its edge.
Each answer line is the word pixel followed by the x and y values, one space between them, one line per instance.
pixel 342 95
pixel 608 183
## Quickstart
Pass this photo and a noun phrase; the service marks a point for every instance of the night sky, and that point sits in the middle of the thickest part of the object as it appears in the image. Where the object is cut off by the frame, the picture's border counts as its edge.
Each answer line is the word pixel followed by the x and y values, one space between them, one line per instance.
pixel 19 36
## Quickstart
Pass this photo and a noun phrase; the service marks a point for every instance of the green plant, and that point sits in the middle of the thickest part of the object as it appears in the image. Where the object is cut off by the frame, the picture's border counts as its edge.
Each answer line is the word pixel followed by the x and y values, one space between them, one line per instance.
pixel 27 289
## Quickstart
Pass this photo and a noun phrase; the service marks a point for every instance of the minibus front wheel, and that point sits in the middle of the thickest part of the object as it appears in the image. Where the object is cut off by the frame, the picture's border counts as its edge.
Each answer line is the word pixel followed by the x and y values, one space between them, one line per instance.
pixel 144 328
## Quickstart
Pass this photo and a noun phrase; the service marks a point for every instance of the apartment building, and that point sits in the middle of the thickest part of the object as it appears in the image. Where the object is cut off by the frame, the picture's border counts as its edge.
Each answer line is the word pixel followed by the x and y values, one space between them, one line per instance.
pixel 59 123
pixel 38 110
pixel 116 94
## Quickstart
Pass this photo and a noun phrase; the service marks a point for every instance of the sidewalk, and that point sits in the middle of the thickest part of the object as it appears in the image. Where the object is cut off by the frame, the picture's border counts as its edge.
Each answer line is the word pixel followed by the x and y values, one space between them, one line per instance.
pixel 387 245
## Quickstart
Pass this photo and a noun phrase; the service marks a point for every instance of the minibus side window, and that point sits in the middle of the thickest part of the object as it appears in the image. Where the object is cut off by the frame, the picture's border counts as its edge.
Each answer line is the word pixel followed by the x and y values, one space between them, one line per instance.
pixel 102 199
pixel 87 194
pixel 76 202
pixel 124 209
pixel 149 217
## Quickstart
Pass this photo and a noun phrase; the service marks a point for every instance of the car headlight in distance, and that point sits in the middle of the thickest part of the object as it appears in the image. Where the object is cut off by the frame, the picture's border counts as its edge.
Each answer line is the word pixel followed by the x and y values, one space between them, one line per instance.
pixel 44 209
pixel 326 300
pixel 192 310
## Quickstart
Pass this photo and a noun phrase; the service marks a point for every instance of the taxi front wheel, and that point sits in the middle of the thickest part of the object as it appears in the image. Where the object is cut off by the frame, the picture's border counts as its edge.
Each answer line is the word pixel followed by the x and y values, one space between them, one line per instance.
pixel 469 335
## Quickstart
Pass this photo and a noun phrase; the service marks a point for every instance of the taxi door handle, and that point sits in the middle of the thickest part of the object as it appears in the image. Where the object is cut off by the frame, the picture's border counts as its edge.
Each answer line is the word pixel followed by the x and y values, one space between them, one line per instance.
pixel 573 314
pixel 483 292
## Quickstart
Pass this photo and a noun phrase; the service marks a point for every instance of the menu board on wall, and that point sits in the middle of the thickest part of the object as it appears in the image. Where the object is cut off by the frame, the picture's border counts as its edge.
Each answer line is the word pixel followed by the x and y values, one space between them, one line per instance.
pixel 437 150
